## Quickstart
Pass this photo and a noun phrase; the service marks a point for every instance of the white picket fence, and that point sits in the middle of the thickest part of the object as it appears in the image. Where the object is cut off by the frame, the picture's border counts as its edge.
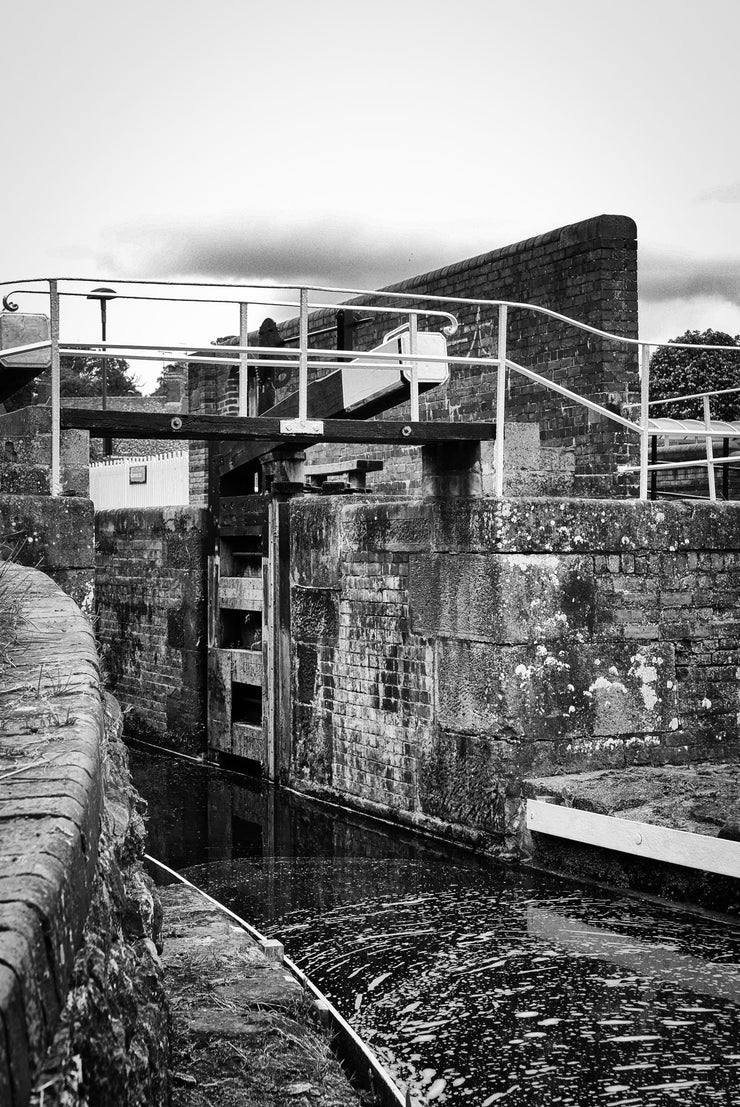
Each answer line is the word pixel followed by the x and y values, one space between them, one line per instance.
pixel 159 480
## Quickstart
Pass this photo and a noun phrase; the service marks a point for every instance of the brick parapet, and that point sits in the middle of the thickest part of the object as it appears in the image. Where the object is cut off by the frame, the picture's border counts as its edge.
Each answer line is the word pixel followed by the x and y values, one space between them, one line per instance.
pixel 50 809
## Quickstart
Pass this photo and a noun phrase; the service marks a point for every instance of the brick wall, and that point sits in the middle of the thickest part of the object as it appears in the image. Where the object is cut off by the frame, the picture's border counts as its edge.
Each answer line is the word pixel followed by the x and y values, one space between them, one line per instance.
pixel 212 390
pixel 444 651
pixel 151 620
pixel 587 271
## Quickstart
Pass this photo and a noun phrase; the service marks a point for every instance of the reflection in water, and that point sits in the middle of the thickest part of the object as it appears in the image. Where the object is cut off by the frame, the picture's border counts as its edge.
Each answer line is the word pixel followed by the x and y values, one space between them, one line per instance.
pixel 474 984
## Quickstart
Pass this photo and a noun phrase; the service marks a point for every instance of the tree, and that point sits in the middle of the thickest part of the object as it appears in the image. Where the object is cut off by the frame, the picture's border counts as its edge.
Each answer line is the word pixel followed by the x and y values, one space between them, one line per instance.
pixel 81 376
pixel 677 372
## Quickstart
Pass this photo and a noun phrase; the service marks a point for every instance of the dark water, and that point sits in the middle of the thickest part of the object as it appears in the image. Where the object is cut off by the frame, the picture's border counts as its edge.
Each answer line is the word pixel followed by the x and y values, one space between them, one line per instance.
pixel 474 983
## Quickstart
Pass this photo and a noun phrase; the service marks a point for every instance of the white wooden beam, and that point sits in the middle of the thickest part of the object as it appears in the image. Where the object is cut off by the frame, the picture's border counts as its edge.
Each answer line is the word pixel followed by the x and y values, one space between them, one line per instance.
pixel 659 843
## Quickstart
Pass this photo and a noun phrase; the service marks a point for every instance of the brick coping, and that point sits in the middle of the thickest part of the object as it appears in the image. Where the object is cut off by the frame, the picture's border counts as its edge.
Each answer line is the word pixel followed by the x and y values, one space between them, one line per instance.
pixel 51 731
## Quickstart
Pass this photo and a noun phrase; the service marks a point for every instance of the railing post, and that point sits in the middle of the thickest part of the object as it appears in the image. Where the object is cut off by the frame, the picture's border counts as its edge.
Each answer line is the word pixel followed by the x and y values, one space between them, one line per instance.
pixel 413 347
pixel 55 484
pixel 710 451
pixel 303 357
pixel 243 360
pixel 500 400
pixel 644 417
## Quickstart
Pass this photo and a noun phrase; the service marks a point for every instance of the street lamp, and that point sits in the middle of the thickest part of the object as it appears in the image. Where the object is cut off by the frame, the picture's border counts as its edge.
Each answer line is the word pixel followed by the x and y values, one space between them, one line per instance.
pixel 103 295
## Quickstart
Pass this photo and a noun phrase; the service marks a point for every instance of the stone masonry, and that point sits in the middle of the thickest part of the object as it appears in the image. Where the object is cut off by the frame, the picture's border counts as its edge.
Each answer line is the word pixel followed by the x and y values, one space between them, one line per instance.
pixel 444 651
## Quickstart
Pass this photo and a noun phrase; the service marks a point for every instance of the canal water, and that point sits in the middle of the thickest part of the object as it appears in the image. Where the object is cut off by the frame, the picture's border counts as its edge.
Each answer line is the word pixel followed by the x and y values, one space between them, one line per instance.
pixel 474 983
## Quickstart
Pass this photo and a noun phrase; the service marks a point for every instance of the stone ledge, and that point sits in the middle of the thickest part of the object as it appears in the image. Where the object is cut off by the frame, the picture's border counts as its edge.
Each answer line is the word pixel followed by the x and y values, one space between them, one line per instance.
pixel 51 730
pixel 701 798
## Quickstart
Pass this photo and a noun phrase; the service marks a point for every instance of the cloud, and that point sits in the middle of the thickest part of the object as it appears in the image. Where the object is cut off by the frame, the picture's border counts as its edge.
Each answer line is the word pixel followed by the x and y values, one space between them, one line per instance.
pixel 725 194
pixel 665 276
pixel 322 251
pixel 329 251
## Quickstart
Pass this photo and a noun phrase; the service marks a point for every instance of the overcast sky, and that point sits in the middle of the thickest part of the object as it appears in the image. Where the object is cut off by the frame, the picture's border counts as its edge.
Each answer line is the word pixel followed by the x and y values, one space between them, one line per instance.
pixel 360 143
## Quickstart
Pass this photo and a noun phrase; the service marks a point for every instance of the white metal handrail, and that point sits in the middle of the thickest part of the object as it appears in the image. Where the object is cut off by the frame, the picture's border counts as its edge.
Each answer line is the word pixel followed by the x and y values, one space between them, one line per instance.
pixel 706 428
pixel 699 395
pixel 412 306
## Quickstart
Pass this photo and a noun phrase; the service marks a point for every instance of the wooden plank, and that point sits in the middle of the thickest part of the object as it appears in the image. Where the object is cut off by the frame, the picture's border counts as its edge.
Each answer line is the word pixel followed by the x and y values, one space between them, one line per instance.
pixel 357 464
pixel 212 602
pixel 659 843
pixel 147 424
pixel 646 959
pixel 283 675
pixel 268 726
pixel 270 640
pixel 240 593
pixel 219 700
pixel 246 665
pixel 248 741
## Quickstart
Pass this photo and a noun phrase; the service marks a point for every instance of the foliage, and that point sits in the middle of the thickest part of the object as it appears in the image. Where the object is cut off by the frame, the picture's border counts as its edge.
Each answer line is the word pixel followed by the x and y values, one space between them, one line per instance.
pixel 168 371
pixel 81 376
pixel 682 372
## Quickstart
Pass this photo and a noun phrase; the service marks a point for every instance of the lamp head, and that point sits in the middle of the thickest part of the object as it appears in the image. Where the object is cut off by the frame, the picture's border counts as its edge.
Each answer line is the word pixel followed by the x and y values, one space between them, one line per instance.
pixel 102 294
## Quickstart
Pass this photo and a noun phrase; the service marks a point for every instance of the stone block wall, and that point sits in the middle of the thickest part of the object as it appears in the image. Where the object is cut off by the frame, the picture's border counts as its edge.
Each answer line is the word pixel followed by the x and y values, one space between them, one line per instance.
pixel 445 650
pixel 50 533
pixel 54 534
pixel 25 454
pixel 151 607
pixel 587 271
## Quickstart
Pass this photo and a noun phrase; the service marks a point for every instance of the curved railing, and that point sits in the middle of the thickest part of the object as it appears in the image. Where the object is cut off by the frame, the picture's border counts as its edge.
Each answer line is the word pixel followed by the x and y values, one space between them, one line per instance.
pixel 412 306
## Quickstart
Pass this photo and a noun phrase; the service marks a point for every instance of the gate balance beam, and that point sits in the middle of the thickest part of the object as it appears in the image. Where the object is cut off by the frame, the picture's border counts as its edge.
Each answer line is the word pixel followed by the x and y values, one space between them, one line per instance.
pixel 128 424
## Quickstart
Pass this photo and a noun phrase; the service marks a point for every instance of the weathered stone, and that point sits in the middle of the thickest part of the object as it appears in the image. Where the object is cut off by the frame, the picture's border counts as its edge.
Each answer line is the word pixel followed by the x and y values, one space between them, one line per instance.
pixel 15 1052
pixel 582 695
pixel 26 480
pixel 463 780
pixel 56 531
pixel 451 469
pixel 504 598
pixel 314 614
pixel 23 949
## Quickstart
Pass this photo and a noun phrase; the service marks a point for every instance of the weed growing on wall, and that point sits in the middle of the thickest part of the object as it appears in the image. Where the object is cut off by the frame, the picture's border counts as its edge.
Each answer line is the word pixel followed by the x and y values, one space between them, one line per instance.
pixel 10 607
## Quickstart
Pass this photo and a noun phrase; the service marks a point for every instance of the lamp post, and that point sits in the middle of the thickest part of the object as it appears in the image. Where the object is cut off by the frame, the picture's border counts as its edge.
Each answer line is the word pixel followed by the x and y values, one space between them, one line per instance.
pixel 103 295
